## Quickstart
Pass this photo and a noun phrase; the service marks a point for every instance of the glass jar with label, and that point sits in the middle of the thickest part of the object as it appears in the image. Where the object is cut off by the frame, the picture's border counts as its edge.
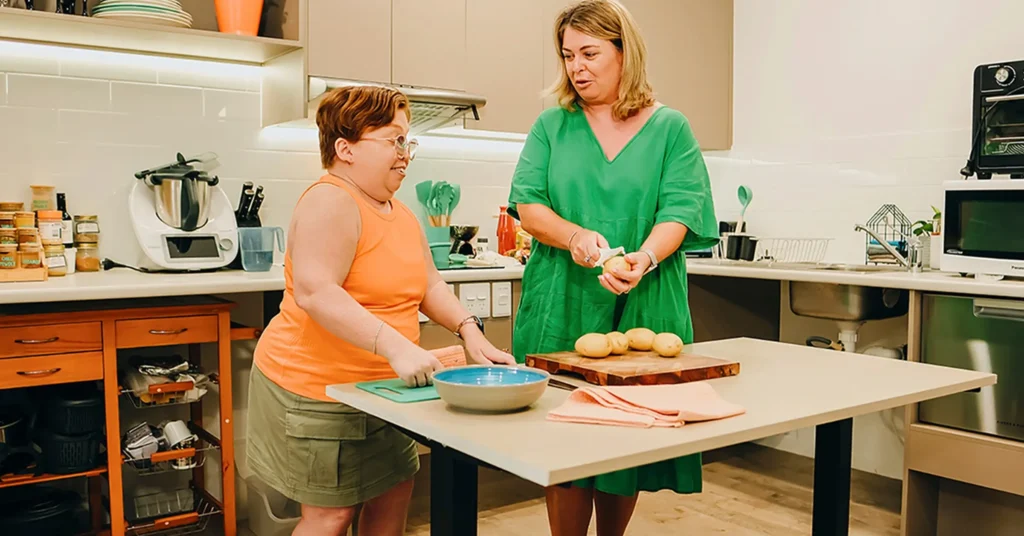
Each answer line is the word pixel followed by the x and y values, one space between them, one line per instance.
pixel 56 265
pixel 87 229
pixel 11 206
pixel 7 220
pixel 31 255
pixel 24 220
pixel 28 236
pixel 88 258
pixel 42 197
pixel 9 236
pixel 8 257
pixel 49 227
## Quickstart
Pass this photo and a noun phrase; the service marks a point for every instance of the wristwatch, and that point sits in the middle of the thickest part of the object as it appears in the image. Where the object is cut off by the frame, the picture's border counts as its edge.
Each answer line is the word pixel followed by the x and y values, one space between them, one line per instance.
pixel 474 319
pixel 654 260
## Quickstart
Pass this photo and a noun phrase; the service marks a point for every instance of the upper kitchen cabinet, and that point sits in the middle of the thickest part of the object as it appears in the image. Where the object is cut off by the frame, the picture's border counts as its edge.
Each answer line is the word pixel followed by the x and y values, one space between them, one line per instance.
pixel 689 61
pixel 428 43
pixel 350 39
pixel 504 46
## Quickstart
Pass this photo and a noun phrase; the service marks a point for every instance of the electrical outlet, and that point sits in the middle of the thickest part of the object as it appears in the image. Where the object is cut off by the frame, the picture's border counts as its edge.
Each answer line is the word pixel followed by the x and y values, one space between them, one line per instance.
pixel 502 307
pixel 476 298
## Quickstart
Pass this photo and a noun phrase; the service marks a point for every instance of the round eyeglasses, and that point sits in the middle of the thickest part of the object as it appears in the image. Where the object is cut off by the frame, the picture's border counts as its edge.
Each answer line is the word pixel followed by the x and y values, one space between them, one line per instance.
pixel 403 146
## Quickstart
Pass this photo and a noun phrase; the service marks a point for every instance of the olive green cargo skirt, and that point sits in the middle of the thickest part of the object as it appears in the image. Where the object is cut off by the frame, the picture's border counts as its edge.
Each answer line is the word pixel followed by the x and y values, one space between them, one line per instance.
pixel 322 453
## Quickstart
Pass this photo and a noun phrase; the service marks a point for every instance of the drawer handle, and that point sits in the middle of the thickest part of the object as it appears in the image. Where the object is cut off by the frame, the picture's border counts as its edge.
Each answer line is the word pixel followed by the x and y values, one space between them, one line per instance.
pixel 38 372
pixel 167 331
pixel 37 341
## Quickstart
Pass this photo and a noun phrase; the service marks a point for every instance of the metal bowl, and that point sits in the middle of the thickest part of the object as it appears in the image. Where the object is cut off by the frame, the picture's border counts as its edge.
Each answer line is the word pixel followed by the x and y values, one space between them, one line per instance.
pixel 464 233
pixel 491 387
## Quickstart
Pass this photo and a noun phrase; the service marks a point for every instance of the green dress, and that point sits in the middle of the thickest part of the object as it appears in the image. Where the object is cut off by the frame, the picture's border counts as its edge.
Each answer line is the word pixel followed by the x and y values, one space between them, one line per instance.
pixel 659 176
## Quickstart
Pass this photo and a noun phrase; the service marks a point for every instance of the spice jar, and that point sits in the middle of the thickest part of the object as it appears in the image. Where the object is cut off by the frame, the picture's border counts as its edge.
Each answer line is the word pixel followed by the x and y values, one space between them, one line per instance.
pixel 31 255
pixel 43 197
pixel 88 258
pixel 87 229
pixel 56 266
pixel 24 220
pixel 9 236
pixel 7 220
pixel 8 257
pixel 11 206
pixel 28 236
pixel 49 227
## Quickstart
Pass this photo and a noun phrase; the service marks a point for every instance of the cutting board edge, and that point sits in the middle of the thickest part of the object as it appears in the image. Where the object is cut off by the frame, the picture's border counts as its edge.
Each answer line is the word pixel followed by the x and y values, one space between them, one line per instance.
pixel 725 369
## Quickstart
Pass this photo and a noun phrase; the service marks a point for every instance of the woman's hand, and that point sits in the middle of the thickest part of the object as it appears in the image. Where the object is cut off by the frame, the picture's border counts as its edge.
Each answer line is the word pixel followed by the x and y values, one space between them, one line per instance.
pixel 480 351
pixel 416 367
pixel 621 282
pixel 585 246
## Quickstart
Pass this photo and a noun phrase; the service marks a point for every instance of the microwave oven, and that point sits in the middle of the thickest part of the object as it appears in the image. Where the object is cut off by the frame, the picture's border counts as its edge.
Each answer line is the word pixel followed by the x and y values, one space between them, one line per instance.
pixel 983 228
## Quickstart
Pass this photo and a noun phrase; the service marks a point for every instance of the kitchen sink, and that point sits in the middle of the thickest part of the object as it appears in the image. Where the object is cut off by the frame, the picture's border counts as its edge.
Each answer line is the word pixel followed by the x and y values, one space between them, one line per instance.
pixel 854 303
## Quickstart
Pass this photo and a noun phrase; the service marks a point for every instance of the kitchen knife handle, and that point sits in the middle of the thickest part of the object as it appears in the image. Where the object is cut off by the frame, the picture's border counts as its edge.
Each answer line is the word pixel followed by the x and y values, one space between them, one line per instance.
pixel 243 205
pixel 254 210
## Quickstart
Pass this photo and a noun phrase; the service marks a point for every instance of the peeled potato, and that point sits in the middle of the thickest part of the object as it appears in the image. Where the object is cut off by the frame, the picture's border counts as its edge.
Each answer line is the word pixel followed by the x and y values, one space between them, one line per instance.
pixel 594 345
pixel 667 344
pixel 620 342
pixel 640 339
pixel 615 263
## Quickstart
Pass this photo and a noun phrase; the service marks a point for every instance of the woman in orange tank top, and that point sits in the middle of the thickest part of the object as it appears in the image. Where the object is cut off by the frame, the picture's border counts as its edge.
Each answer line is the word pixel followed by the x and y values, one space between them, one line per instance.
pixel 357 272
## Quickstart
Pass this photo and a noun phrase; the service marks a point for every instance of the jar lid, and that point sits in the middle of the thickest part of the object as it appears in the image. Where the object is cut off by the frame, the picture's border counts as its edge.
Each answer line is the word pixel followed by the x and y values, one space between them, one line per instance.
pixel 9 248
pixel 41 186
pixel 54 248
pixel 88 245
pixel 7 215
pixel 85 216
pixel 30 247
pixel 24 214
pixel 49 214
pixel 28 231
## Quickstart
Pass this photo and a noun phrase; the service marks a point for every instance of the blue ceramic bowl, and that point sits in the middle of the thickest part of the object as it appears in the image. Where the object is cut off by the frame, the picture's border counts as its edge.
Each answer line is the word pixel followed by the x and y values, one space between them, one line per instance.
pixel 491 387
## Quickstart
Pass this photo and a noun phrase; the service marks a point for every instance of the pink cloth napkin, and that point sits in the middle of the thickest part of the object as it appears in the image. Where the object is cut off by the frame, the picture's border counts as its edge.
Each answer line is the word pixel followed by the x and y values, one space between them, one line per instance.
pixel 645 406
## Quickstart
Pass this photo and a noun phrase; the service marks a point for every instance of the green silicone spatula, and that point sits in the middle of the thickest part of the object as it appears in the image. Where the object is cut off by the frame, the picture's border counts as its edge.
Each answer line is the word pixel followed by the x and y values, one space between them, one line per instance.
pixel 745 195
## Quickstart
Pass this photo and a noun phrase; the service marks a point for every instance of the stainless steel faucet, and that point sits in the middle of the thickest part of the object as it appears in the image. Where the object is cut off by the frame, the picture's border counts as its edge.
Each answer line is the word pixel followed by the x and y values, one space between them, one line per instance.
pixel 912 262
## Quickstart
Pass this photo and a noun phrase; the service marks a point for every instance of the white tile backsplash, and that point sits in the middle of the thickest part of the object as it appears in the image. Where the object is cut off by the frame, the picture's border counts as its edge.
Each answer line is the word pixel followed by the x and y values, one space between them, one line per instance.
pixel 57 93
pixel 13 61
pixel 96 68
pixel 231 105
pixel 157 101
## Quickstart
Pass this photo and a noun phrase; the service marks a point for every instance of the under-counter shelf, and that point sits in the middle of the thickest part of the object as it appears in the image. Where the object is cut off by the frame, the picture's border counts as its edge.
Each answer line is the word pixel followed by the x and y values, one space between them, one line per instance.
pixel 10 481
pixel 88 32
pixel 171 393
pixel 193 521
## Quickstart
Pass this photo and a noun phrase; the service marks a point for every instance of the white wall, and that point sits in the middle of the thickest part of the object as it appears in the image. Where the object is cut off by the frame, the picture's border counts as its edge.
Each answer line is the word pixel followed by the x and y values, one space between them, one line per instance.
pixel 85 121
pixel 840 107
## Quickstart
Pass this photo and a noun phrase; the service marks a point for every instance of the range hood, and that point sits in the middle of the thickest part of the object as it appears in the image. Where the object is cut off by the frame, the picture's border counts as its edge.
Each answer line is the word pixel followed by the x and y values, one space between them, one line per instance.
pixel 431 108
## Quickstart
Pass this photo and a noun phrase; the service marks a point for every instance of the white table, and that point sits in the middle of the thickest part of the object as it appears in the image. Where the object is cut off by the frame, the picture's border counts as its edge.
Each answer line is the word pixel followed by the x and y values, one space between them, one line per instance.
pixel 783 387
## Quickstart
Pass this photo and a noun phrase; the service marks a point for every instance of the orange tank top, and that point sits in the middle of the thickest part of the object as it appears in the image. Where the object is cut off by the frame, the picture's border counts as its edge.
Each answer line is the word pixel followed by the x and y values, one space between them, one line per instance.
pixel 388 277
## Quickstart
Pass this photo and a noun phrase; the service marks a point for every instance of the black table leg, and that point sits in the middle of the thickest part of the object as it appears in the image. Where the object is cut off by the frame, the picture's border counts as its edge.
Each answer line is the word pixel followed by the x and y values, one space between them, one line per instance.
pixel 833 446
pixel 453 493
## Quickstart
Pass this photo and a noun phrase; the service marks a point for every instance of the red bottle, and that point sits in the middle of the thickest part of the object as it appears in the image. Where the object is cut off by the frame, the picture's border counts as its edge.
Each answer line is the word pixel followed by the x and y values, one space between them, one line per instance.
pixel 506 233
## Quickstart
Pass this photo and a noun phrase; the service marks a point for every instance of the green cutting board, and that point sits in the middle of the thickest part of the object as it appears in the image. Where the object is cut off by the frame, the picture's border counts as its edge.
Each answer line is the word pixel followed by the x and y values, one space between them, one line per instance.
pixel 396 390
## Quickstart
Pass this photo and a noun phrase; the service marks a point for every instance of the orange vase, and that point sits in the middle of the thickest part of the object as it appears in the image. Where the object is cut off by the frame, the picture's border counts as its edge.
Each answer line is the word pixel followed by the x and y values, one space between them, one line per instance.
pixel 241 17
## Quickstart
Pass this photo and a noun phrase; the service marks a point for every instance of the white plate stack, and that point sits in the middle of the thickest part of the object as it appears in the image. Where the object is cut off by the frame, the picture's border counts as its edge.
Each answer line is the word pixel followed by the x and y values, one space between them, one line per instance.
pixel 161 12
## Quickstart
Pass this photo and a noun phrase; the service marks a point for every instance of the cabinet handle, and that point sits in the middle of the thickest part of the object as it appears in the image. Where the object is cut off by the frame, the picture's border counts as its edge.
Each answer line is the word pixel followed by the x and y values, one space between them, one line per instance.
pixel 167 331
pixel 34 373
pixel 37 341
pixel 1000 309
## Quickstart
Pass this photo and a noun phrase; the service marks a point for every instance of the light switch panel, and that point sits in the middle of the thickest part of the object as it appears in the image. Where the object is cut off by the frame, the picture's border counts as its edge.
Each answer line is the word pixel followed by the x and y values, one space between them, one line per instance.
pixel 502 306
pixel 476 298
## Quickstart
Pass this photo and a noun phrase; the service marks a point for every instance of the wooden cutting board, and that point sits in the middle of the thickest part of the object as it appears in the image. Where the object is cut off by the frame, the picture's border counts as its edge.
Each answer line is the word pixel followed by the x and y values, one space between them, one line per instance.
pixel 635 368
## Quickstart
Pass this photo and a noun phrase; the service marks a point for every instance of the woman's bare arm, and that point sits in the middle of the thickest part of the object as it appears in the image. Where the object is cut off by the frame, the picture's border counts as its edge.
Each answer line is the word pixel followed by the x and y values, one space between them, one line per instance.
pixel 553 230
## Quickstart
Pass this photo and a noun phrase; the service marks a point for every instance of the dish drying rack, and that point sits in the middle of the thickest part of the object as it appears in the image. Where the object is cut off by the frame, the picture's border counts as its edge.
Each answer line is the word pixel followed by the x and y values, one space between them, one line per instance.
pixel 791 250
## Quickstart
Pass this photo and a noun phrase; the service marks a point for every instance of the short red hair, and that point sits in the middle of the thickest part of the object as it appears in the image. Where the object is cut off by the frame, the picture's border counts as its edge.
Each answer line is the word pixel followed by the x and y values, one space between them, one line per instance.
pixel 348 112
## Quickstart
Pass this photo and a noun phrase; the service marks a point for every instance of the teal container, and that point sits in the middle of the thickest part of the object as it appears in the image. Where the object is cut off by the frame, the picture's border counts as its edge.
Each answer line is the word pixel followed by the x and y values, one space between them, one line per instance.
pixel 439 252
pixel 436 235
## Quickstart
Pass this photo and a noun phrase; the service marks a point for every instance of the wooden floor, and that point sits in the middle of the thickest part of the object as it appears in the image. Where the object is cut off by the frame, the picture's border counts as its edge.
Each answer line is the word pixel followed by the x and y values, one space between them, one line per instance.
pixel 748 490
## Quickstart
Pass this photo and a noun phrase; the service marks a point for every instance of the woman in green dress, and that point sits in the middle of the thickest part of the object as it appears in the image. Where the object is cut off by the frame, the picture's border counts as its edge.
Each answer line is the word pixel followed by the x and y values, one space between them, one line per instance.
pixel 608 167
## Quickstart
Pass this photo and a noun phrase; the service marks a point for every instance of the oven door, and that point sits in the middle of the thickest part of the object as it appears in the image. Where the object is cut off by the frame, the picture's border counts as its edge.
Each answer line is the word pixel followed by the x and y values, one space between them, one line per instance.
pixel 984 220
pixel 980 334
pixel 1001 143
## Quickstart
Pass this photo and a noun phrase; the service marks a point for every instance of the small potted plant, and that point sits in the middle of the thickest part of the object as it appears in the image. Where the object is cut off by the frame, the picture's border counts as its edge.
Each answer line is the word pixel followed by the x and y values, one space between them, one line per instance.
pixel 928 231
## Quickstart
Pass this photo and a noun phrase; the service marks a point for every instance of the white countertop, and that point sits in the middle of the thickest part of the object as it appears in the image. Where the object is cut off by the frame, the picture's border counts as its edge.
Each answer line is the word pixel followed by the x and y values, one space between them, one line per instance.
pixel 782 386
pixel 927 281
pixel 123 283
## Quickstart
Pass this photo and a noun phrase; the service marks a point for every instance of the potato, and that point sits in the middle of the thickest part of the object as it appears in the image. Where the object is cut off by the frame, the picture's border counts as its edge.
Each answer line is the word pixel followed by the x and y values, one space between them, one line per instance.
pixel 594 345
pixel 667 344
pixel 640 339
pixel 615 263
pixel 620 342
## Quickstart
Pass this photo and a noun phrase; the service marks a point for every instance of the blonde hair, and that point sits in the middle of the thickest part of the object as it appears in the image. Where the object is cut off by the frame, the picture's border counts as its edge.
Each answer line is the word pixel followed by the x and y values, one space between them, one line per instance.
pixel 608 20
